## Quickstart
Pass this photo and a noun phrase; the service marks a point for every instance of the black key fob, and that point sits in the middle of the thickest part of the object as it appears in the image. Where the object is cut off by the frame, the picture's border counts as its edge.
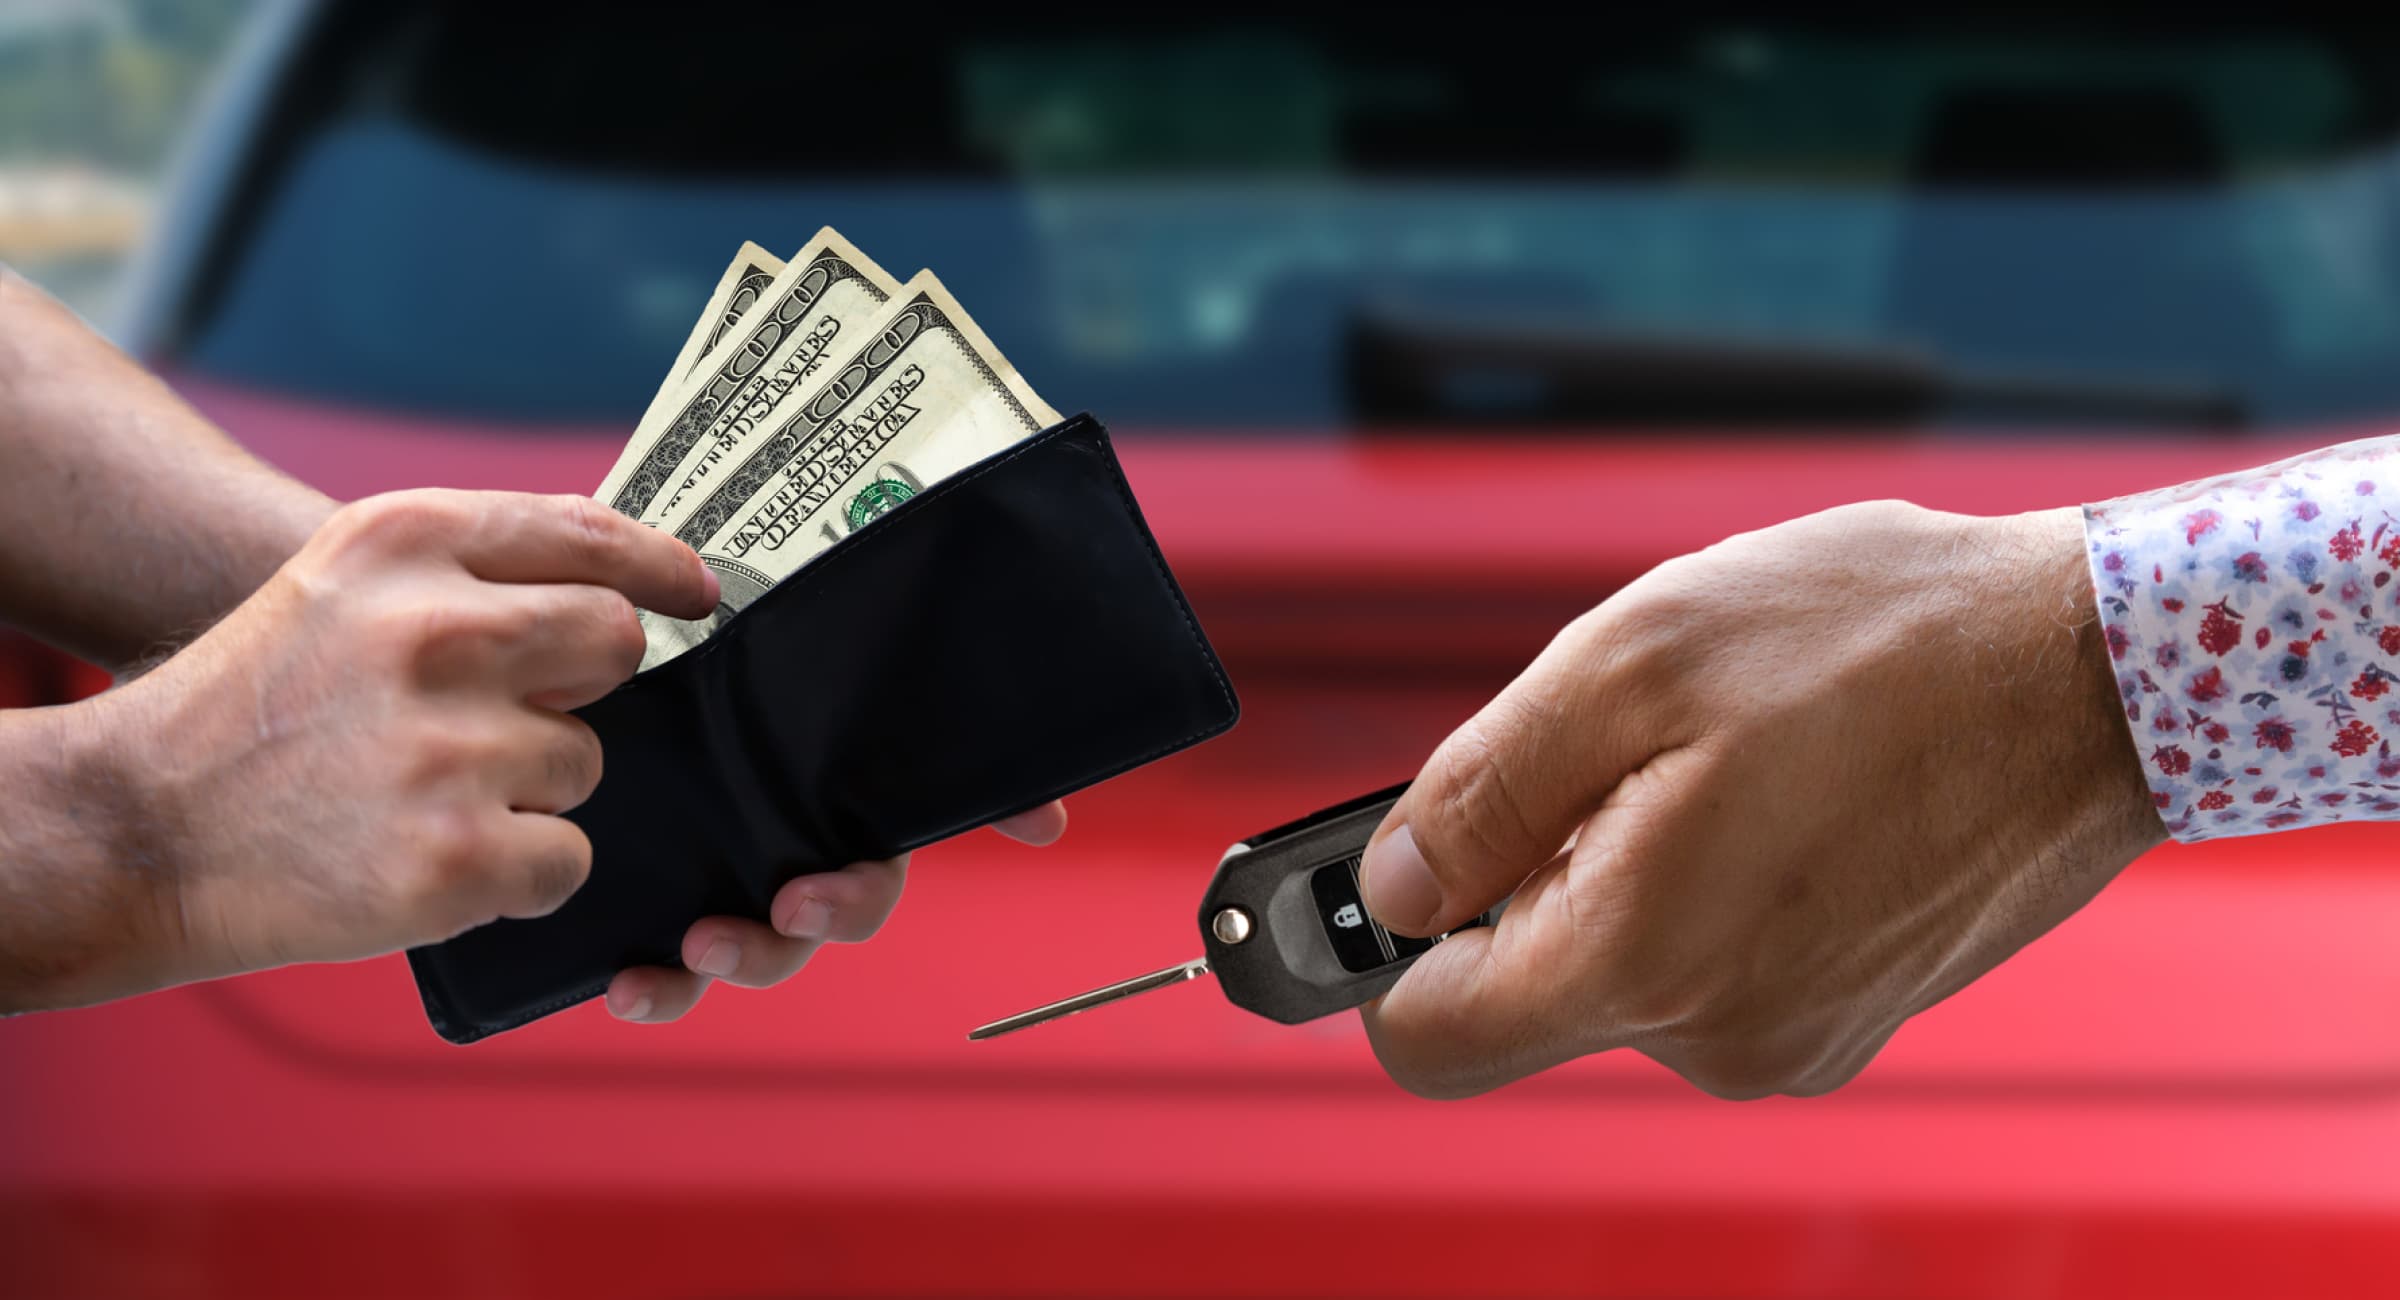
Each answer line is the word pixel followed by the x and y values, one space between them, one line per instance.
pixel 1286 926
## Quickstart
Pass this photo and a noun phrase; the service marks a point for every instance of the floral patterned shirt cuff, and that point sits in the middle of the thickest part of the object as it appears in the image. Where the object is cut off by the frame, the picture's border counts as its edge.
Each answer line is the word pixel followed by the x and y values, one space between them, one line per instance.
pixel 2255 626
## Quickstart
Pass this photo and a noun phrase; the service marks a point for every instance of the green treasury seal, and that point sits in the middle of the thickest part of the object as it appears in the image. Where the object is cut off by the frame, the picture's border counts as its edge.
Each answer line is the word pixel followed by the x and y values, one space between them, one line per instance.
pixel 876 499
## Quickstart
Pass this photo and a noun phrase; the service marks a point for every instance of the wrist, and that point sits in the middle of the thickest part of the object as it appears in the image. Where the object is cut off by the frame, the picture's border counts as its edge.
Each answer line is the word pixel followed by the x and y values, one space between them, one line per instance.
pixel 300 511
pixel 281 516
pixel 2072 675
pixel 91 906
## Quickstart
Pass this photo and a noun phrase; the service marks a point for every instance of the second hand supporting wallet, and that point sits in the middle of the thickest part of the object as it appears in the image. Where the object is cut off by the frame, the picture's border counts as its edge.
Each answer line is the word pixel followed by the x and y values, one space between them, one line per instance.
pixel 1007 637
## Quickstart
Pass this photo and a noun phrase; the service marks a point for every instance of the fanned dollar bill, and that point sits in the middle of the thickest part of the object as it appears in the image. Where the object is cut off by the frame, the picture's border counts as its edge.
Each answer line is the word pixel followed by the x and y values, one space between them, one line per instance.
pixel 746 278
pixel 926 396
pixel 799 320
pixel 810 399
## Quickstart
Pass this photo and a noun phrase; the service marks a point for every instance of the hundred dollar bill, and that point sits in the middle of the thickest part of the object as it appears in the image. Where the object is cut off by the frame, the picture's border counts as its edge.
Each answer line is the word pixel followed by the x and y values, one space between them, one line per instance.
pixel 827 289
pixel 737 291
pixel 926 396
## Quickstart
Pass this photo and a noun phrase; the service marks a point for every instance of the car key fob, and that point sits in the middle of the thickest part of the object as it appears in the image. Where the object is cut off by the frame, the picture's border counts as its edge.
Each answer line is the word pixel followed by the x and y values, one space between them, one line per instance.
pixel 1284 926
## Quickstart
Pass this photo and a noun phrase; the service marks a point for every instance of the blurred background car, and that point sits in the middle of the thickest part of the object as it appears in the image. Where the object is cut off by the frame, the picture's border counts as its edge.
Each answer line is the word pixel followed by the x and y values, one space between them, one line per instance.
pixel 1416 343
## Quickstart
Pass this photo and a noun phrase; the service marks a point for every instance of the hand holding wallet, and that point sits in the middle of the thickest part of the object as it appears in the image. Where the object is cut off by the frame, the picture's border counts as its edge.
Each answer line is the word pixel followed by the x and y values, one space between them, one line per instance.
pixel 961 650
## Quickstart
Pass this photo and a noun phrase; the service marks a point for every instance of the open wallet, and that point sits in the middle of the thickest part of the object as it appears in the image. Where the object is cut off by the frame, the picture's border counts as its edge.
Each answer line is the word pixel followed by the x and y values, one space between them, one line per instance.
pixel 1006 637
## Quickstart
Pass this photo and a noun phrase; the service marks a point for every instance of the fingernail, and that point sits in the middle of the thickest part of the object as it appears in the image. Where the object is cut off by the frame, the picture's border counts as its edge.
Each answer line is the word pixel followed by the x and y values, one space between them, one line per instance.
pixel 638 1010
pixel 810 920
pixel 708 581
pixel 721 960
pixel 1400 888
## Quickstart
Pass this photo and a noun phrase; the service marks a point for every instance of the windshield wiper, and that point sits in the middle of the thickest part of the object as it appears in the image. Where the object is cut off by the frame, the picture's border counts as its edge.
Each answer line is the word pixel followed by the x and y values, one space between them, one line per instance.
pixel 1404 368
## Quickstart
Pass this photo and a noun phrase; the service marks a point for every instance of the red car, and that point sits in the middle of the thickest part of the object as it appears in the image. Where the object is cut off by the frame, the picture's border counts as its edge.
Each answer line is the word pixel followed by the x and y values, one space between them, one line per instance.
pixel 1415 343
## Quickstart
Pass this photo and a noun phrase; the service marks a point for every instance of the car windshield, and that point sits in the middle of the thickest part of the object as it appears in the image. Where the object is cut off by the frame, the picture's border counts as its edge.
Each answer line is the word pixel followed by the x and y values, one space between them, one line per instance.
pixel 1291 229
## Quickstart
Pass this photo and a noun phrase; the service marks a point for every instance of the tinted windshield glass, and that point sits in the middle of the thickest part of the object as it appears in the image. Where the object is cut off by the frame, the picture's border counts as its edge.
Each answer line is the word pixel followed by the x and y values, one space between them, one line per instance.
pixel 1290 228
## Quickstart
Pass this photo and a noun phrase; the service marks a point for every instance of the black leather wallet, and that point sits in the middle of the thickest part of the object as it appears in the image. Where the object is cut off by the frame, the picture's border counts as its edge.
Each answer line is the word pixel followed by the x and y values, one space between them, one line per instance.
pixel 1008 636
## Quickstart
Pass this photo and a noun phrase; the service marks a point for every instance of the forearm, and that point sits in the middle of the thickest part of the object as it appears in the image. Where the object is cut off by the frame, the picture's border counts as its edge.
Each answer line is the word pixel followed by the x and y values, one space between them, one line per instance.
pixel 134 522
pixel 83 915
pixel 2254 627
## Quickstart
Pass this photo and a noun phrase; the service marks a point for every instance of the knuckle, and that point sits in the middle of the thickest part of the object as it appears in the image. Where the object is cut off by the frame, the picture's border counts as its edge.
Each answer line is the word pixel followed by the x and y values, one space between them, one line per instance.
pixel 1825 1081
pixel 1656 985
pixel 1642 1002
pixel 1429 1085
pixel 594 530
pixel 1651 648
pixel 1473 795
pixel 1883 512
pixel 553 876
pixel 618 627
pixel 576 760
pixel 1732 1090
pixel 1644 634
pixel 398 520
pixel 440 637
pixel 1848 1059
pixel 443 754
pixel 453 854
pixel 1747 1071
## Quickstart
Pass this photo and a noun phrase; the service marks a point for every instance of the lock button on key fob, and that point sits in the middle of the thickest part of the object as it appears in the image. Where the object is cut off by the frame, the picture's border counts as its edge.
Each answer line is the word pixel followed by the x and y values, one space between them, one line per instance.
pixel 1359 942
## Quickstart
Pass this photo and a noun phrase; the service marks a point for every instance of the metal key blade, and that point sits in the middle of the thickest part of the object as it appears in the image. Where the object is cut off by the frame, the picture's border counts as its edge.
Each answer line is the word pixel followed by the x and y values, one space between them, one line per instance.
pixel 1159 979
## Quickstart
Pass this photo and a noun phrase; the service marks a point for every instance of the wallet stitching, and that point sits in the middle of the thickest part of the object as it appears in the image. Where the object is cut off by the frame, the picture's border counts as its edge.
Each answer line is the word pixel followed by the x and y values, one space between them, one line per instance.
pixel 861 539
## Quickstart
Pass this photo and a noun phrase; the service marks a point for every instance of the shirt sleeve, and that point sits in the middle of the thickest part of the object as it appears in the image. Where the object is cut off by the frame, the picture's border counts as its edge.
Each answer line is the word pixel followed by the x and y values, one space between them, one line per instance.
pixel 2255 625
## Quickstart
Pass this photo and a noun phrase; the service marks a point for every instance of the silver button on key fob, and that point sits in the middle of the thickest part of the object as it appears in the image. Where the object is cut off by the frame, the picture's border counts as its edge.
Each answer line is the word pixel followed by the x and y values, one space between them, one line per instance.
pixel 1283 926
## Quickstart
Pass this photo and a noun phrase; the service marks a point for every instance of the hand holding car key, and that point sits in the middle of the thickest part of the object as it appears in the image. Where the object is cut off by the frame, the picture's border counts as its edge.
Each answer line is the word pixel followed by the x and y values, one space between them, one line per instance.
pixel 1283 927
